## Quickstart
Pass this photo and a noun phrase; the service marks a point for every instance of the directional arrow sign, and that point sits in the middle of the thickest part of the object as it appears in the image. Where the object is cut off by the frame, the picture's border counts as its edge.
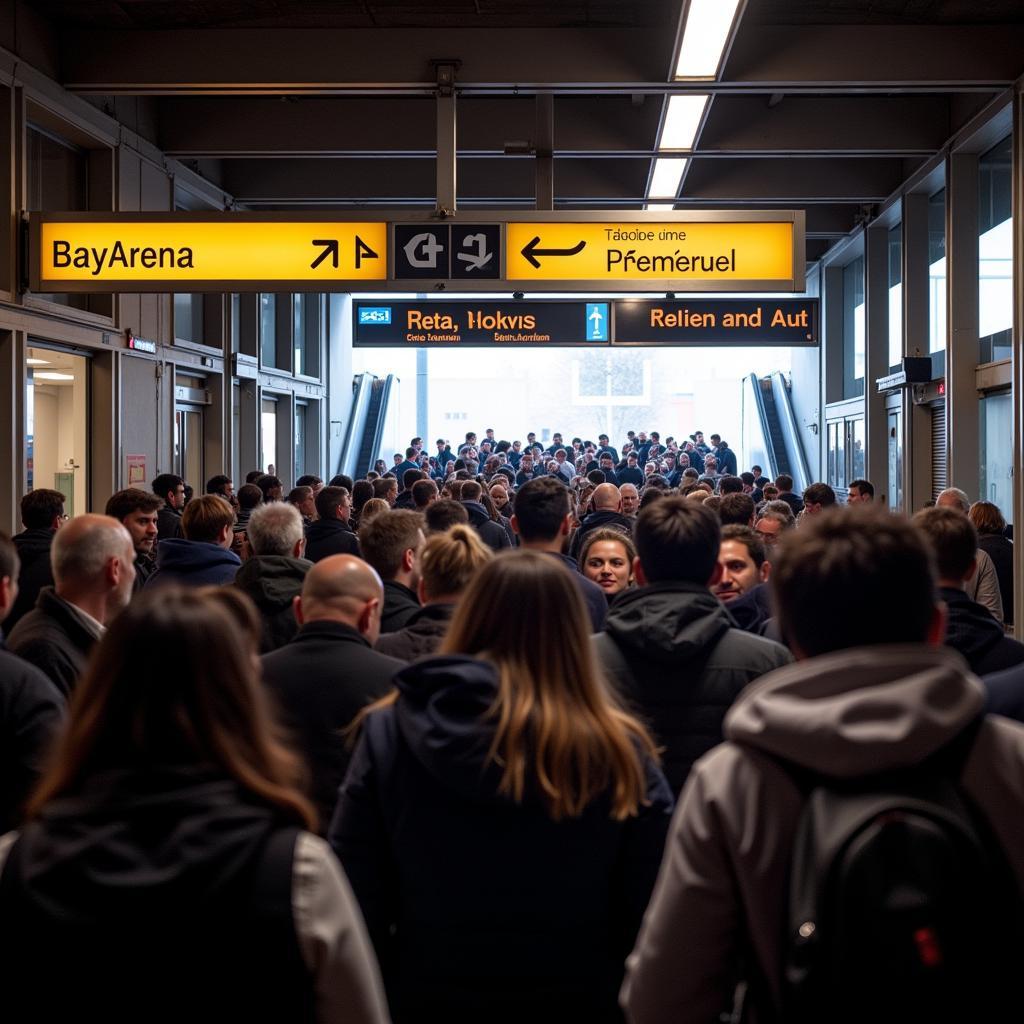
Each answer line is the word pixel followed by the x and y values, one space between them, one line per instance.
pixel 664 254
pixel 183 254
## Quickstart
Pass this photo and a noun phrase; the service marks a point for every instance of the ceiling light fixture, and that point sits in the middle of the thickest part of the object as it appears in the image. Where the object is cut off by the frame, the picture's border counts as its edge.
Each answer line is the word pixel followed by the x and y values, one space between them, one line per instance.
pixel 38 362
pixel 53 376
pixel 659 206
pixel 682 120
pixel 668 173
pixel 705 34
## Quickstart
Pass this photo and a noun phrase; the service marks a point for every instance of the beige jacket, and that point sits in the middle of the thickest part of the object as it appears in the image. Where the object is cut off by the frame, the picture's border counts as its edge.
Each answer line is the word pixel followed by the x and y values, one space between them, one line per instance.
pixel 726 861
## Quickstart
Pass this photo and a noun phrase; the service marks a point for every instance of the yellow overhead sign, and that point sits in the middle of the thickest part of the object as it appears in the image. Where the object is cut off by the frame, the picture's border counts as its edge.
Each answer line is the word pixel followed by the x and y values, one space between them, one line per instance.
pixel 141 253
pixel 698 251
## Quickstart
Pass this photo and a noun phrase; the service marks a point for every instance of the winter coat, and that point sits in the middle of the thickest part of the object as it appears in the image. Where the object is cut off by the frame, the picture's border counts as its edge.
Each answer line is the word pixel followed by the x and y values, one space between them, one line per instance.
pixel 144 568
pixel 55 638
pixel 321 681
pixel 631 475
pixel 724 880
pixel 168 894
pixel 597 521
pixel 482 909
pixel 983 586
pixel 31 710
pixel 971 630
pixel 423 634
pixel 193 563
pixel 592 594
pixel 673 653
pixel 491 533
pixel 34 555
pixel 400 605
pixel 1000 551
pixel 328 537
pixel 273 582
pixel 168 523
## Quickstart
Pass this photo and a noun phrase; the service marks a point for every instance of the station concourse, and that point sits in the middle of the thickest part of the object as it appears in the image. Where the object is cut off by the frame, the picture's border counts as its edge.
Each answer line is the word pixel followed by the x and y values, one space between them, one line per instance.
pixel 282 240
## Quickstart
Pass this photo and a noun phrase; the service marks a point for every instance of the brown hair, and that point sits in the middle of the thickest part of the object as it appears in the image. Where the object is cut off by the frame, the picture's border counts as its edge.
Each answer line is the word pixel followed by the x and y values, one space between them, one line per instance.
pixel 953 540
pixel 558 729
pixel 987 518
pixel 371 510
pixel 608 533
pixel 131 499
pixel 450 560
pixel 205 517
pixel 384 540
pixel 677 539
pixel 197 700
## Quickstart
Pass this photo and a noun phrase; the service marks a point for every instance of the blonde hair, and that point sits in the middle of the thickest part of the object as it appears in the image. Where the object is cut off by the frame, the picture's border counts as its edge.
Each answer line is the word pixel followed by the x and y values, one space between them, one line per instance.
pixel 559 731
pixel 450 560
pixel 373 508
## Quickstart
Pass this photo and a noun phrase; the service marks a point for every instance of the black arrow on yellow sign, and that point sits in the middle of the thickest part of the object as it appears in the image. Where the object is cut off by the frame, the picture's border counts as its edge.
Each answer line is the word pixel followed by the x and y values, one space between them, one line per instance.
pixel 531 252
pixel 330 249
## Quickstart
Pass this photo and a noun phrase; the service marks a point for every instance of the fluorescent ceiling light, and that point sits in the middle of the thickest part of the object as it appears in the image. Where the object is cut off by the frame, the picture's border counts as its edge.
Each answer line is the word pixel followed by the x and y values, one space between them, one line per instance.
pixel 659 206
pixel 708 23
pixel 38 362
pixel 668 173
pixel 682 119
pixel 53 376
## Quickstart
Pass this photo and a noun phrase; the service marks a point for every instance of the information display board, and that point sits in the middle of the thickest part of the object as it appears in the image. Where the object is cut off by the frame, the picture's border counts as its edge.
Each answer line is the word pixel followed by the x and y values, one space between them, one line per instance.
pixel 716 322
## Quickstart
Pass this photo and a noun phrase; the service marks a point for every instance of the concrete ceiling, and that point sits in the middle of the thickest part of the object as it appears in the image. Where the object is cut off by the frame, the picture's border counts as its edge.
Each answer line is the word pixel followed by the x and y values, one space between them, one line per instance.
pixel 825 105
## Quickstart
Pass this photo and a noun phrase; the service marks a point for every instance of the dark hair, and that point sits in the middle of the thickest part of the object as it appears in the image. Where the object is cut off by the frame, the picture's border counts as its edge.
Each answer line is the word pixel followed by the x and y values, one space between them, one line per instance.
pixel 199 701
pixel 40 507
pixel 952 538
pixel 748 478
pixel 10 564
pixel 863 487
pixel 167 482
pixel 747 537
pixel 677 539
pixel 328 500
pixel 730 485
pixel 267 483
pixel 362 492
pixel 422 491
pixel 820 494
pixel 216 484
pixel 253 475
pixel 835 580
pixel 132 499
pixel 249 496
pixel 409 477
pixel 309 480
pixel 205 517
pixel 784 482
pixel 540 508
pixel 651 494
pixel 384 485
pixel 385 539
pixel 444 514
pixel 736 508
pixel 299 494
pixel 340 480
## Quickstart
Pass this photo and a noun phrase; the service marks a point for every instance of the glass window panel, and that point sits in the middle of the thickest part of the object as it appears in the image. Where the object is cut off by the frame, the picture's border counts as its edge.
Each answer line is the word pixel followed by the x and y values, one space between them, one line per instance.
pixel 856 450
pixel 854 329
pixel 268 329
pixel 937 272
pixel 188 317
pixel 300 438
pixel 996 461
pixel 895 461
pixel 895 295
pixel 268 435
pixel 995 253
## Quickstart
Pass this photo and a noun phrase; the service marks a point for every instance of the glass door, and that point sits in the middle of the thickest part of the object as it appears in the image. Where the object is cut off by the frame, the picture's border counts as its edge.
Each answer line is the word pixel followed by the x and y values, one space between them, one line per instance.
pixel 188 445
pixel 895 422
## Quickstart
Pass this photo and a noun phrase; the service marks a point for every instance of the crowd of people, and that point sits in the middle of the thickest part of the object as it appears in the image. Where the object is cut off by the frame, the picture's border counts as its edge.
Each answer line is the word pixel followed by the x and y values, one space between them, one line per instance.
pixel 473 738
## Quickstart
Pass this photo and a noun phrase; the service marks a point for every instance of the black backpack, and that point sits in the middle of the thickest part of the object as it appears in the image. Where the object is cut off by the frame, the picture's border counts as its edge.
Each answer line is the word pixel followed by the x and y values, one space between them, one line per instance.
pixel 902 907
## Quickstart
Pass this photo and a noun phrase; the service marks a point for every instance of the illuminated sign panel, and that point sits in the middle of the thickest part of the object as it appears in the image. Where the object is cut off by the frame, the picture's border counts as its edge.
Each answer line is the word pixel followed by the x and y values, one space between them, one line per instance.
pixel 717 321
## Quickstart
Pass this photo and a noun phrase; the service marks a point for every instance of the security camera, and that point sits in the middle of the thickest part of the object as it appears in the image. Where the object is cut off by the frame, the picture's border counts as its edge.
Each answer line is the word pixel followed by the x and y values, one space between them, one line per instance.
pixel 670 295
pixel 517 295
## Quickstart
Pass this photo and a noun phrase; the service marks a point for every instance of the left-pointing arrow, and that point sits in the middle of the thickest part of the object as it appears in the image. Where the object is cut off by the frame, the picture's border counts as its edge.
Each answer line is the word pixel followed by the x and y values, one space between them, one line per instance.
pixel 330 249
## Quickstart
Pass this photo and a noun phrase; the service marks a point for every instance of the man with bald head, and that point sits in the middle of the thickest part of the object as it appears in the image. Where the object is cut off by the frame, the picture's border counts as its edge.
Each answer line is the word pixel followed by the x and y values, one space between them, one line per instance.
pixel 329 671
pixel 605 511
pixel 93 560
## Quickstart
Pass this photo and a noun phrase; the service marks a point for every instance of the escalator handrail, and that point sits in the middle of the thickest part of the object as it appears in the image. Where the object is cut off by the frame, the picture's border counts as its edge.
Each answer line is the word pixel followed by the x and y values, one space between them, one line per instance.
pixel 349 462
pixel 791 433
pixel 762 415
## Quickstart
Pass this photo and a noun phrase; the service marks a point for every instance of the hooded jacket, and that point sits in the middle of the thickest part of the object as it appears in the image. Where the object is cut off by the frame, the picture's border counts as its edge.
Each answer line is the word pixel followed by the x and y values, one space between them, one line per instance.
pixel 674 654
pixel 168 523
pixel 400 605
pixel 327 537
pixel 596 521
pixel 193 563
pixel 971 630
pixel 491 533
pixel 169 895
pixel 482 909
pixel 725 873
pixel 273 581
pixel 422 635
pixel 34 555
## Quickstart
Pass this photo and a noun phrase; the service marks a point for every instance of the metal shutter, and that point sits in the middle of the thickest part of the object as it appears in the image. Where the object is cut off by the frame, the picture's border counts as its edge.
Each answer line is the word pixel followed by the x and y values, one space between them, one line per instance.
pixel 940 475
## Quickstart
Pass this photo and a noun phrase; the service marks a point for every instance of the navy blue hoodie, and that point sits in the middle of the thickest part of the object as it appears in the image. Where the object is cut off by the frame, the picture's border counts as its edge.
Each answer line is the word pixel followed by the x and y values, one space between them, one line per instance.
pixel 193 563
pixel 482 909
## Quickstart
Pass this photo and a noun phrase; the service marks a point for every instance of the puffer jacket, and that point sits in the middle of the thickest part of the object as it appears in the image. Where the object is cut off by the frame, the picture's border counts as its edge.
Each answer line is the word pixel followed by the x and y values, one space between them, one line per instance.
pixel 842 715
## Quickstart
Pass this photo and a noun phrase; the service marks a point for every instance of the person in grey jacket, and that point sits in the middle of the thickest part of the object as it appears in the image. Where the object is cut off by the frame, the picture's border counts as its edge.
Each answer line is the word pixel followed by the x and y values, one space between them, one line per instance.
pixel 983 584
pixel 873 690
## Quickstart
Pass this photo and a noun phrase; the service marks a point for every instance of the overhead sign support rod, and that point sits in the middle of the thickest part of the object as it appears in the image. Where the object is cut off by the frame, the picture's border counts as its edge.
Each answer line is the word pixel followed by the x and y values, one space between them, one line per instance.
pixel 446 135
pixel 544 150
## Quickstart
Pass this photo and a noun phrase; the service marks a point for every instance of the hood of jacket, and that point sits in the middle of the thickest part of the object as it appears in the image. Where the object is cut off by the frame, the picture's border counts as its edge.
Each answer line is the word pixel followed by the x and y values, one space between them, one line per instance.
pixel 670 623
pixel 327 528
pixel 141 843
pixel 859 711
pixel 970 627
pixel 33 545
pixel 441 713
pixel 187 557
pixel 478 514
pixel 272 580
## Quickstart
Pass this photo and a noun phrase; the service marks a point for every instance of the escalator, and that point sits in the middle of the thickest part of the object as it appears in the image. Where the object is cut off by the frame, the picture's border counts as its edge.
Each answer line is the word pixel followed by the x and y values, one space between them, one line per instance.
pixel 372 401
pixel 771 435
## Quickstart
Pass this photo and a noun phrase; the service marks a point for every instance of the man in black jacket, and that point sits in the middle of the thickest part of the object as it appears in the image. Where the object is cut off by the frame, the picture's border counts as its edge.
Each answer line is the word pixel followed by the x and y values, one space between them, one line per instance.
pixel 331 534
pixel 31 708
pixel 970 628
pixel 42 514
pixel 137 511
pixel 670 645
pixel 329 672
pixel 391 543
pixel 93 569
pixel 491 533
pixel 171 488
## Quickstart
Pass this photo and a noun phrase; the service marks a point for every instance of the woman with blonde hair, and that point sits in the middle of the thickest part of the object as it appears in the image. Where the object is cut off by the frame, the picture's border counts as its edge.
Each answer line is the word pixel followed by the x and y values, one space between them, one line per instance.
pixel 374 507
pixel 607 558
pixel 167 869
pixel 448 563
pixel 503 817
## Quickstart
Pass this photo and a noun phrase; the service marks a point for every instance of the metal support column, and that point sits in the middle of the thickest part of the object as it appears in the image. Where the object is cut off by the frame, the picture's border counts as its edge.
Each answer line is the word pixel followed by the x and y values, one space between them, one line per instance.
pixel 422 394
pixel 962 320
pixel 1016 354
pixel 831 355
pixel 544 148
pixel 446 136
pixel 917 470
pixel 876 355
